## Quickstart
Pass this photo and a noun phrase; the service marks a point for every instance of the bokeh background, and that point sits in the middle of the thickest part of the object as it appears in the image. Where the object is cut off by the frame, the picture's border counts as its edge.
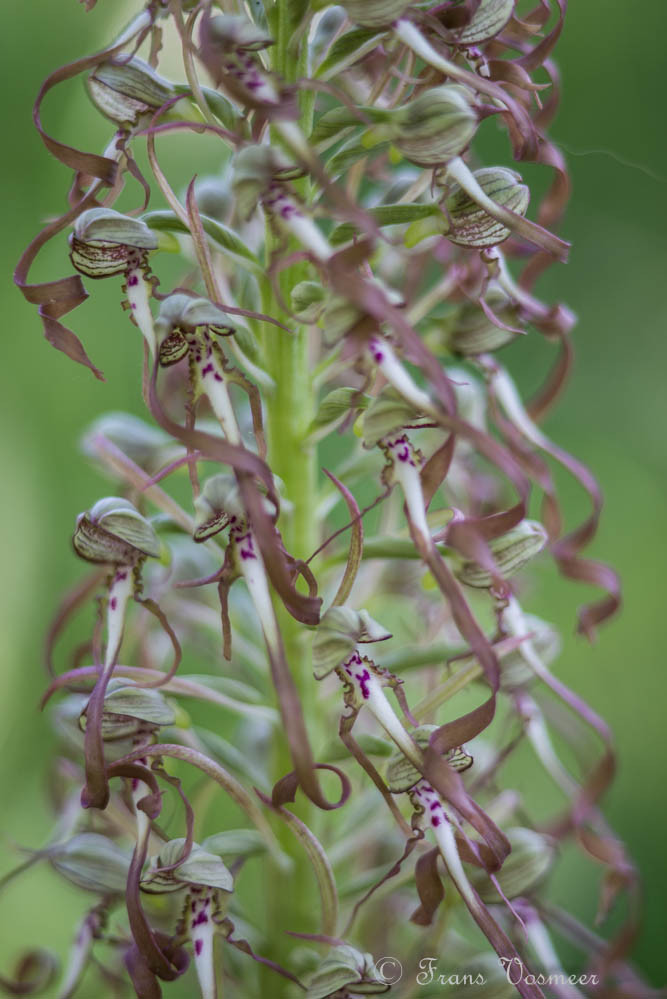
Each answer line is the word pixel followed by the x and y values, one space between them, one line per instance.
pixel 612 416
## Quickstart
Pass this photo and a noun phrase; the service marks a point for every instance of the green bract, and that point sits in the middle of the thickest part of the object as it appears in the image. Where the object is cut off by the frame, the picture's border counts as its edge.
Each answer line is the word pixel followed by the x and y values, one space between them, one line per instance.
pixel 114 531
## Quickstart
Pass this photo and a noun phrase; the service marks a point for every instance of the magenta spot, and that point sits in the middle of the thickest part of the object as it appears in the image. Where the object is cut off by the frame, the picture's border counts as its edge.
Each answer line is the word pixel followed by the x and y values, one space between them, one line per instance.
pixel 246 548
pixel 121 576
pixel 435 805
pixel 133 280
pixel 218 377
pixel 208 369
pixel 201 919
pixel 113 603
pixel 435 821
pixel 404 454
pixel 364 679
pixel 199 946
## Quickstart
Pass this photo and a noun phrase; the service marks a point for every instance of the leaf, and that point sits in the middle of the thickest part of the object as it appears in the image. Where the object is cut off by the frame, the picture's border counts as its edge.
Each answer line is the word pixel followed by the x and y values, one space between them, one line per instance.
pixel 231 757
pixel 351 153
pixel 372 745
pixel 220 234
pixel 233 843
pixel 356 549
pixel 385 215
pixel 319 862
pixel 346 50
pixel 219 105
pixel 384 546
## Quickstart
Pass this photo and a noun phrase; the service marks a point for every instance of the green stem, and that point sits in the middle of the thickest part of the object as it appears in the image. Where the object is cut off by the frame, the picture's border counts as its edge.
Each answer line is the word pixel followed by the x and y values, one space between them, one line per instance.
pixel 290 407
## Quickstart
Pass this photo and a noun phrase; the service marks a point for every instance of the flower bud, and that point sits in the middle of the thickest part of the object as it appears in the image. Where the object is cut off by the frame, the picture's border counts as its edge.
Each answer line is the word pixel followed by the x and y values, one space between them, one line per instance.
pixel 234 843
pixel 146 446
pixel 228 47
pixel 471 332
pixel 114 531
pixel 515 668
pixel 471 400
pixel 214 197
pixel 486 22
pixel 402 774
pixel 340 315
pixel 105 242
pixel 93 862
pixel 528 863
pixel 375 13
pixel 471 225
pixel 199 868
pixel 218 505
pixel 308 298
pixel 181 311
pixel 511 552
pixel 129 709
pixel 436 126
pixel 237 34
pixel 387 414
pixel 338 633
pixel 256 169
pixel 345 970
pixel 124 89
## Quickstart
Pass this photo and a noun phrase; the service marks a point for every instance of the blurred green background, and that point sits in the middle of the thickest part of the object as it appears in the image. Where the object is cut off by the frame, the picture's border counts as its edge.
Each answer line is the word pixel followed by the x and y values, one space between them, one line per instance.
pixel 611 416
